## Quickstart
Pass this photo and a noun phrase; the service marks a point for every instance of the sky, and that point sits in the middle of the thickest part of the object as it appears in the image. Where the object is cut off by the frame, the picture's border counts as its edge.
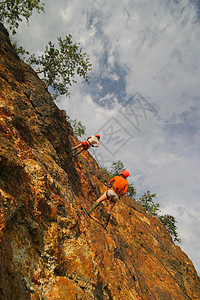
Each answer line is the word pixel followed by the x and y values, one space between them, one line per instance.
pixel 143 95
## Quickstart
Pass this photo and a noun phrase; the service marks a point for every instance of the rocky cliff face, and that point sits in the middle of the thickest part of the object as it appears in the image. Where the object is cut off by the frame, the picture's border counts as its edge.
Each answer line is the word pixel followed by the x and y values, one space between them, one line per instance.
pixel 49 248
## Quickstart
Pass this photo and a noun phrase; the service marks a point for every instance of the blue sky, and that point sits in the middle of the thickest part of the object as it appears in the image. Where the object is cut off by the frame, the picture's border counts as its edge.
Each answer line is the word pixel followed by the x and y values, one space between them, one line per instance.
pixel 143 96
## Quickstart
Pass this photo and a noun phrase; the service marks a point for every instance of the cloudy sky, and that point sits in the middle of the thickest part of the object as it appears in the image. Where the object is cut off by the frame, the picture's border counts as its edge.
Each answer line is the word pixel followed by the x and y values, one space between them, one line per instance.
pixel 143 95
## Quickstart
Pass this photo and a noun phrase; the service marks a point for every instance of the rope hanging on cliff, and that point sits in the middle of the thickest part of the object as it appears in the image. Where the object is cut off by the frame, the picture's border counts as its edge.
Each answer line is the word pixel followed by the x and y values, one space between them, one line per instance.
pixel 96 159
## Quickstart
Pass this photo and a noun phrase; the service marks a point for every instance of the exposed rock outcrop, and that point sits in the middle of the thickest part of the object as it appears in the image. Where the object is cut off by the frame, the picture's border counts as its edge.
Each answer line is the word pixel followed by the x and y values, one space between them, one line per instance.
pixel 49 248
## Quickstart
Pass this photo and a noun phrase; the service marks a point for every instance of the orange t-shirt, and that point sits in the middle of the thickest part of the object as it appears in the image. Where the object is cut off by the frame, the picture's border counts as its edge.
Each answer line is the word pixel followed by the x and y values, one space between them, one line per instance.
pixel 120 185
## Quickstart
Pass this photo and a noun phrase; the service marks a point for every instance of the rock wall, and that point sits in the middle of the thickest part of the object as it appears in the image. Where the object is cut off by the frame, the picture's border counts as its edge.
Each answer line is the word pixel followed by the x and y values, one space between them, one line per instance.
pixel 49 248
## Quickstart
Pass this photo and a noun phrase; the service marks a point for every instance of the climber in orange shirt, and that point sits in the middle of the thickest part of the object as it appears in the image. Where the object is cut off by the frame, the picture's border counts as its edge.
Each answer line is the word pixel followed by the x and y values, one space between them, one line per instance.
pixel 119 187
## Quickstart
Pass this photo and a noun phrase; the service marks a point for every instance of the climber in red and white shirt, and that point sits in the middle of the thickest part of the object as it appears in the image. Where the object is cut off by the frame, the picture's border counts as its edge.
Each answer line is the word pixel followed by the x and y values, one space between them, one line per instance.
pixel 92 141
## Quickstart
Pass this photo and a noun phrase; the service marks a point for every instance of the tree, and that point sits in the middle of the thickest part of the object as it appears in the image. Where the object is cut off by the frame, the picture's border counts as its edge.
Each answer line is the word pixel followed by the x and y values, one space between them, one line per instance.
pixel 78 128
pixel 61 65
pixel 154 208
pixel 147 202
pixel 131 191
pixel 12 11
pixel 116 168
pixel 170 223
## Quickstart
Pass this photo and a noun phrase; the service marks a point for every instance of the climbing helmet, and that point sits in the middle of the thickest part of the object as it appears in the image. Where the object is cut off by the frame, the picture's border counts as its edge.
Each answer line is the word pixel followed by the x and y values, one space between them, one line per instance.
pixel 125 173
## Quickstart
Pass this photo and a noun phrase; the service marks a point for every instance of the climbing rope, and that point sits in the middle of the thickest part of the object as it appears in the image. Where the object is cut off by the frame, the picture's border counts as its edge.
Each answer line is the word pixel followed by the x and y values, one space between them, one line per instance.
pixel 96 158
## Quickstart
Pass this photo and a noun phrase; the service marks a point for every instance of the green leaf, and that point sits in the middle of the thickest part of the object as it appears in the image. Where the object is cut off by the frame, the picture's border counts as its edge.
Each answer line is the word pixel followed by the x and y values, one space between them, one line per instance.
pixel 12 12
pixel 60 66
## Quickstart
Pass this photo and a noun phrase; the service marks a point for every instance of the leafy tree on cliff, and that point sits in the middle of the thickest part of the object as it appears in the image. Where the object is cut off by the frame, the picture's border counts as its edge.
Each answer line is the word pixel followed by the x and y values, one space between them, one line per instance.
pixel 153 209
pixel 116 168
pixel 12 11
pixel 60 66
pixel 78 128
pixel 170 223
pixel 147 202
